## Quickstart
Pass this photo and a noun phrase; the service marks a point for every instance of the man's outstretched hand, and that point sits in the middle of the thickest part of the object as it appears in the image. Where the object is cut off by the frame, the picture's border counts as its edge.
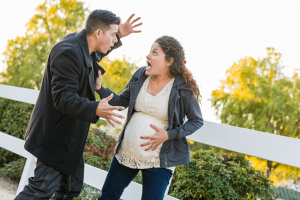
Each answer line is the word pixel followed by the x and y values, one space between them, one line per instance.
pixel 127 27
pixel 105 111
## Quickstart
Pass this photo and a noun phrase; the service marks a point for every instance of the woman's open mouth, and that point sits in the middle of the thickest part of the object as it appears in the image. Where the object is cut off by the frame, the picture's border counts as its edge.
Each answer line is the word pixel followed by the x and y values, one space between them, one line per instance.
pixel 149 65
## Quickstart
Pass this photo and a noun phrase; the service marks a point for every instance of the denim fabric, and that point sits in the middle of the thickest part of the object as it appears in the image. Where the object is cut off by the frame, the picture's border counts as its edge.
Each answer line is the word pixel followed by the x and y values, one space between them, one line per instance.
pixel 48 180
pixel 155 181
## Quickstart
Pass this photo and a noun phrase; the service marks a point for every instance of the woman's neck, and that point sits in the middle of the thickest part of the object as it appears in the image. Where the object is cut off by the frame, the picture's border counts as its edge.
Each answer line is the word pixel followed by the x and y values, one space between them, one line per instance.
pixel 162 78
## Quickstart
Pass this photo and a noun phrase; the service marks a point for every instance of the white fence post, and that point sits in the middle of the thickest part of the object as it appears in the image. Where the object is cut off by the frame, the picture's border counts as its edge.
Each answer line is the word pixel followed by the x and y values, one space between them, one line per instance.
pixel 27 172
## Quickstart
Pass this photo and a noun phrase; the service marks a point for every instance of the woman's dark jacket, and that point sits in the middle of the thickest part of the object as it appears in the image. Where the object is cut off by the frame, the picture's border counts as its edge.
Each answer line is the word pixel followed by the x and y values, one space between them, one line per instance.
pixel 182 103
pixel 66 105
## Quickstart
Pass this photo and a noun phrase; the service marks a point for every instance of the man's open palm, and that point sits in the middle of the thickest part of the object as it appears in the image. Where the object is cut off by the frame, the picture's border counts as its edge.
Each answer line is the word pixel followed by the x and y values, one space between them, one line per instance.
pixel 127 27
pixel 105 111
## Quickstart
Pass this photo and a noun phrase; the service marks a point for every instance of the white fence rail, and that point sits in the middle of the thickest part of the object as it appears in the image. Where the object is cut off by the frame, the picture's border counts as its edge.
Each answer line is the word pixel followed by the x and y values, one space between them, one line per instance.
pixel 250 142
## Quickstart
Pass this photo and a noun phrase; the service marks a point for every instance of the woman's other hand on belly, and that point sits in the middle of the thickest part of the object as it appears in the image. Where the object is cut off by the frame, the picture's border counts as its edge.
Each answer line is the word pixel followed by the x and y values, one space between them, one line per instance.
pixel 155 140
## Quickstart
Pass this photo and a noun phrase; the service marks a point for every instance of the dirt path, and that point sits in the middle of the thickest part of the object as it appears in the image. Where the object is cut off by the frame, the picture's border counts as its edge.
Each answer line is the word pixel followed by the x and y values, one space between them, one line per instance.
pixel 8 189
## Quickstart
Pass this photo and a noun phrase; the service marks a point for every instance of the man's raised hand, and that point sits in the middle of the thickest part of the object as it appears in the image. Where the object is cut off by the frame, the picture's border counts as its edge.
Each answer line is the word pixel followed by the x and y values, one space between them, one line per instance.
pixel 105 111
pixel 127 27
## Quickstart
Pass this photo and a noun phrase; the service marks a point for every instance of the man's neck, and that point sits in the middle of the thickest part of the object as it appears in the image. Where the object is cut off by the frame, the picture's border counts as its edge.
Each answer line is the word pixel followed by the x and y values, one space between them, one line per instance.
pixel 90 44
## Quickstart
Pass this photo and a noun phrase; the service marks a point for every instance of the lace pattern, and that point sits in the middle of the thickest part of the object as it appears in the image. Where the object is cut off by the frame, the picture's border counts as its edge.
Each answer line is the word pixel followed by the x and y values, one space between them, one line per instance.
pixel 149 110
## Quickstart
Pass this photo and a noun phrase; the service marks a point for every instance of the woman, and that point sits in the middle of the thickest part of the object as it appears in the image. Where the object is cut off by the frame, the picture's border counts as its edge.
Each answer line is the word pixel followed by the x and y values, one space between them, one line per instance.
pixel 153 139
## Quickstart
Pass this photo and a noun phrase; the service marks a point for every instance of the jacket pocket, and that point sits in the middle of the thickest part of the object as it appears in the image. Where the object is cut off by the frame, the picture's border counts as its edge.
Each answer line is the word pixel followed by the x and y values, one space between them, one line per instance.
pixel 58 122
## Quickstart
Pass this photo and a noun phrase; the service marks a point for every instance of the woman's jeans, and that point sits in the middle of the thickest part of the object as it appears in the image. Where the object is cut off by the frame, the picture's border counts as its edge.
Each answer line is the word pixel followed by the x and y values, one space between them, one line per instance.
pixel 48 181
pixel 155 181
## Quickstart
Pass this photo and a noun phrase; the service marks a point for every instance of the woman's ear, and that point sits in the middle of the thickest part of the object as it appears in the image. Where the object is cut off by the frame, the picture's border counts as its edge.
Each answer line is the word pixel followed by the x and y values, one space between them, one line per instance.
pixel 169 63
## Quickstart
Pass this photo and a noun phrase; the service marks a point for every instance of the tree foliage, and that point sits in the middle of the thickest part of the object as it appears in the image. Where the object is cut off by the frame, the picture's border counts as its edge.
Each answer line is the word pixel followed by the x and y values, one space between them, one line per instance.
pixel 257 95
pixel 118 73
pixel 26 56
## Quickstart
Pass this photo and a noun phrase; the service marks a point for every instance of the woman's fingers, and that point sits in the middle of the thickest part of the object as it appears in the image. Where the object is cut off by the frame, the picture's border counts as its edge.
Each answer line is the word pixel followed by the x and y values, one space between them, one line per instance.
pixel 155 147
pixel 150 147
pixel 147 143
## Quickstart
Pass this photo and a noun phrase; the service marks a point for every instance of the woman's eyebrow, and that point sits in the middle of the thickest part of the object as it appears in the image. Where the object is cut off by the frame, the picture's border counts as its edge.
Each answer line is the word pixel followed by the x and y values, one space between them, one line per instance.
pixel 155 49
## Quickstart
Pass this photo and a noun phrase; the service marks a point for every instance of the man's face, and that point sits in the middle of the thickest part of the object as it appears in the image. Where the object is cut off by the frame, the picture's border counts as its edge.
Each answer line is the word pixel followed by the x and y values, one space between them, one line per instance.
pixel 107 40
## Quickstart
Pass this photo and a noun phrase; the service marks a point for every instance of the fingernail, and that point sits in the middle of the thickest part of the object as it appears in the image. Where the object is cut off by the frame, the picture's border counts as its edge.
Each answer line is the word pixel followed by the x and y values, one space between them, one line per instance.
pixel 141 137
pixel 99 70
pixel 141 145
pixel 150 124
pixel 145 150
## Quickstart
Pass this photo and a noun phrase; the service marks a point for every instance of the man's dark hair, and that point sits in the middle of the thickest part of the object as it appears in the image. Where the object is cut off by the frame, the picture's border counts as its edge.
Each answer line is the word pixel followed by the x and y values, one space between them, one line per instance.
pixel 100 19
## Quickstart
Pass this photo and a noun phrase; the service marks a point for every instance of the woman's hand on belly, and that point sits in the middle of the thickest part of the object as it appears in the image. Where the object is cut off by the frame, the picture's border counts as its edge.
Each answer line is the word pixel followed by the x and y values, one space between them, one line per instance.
pixel 155 140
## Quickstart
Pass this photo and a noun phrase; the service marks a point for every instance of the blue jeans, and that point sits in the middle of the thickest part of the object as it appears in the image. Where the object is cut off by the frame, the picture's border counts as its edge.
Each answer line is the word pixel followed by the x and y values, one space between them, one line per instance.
pixel 155 181
pixel 48 181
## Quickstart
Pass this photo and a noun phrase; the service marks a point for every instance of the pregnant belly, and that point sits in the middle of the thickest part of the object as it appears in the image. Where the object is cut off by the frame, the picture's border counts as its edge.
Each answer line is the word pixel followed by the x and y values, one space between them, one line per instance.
pixel 138 126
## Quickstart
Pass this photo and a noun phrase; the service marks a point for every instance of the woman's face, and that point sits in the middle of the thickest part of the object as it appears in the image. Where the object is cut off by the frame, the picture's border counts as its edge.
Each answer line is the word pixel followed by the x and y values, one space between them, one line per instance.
pixel 157 65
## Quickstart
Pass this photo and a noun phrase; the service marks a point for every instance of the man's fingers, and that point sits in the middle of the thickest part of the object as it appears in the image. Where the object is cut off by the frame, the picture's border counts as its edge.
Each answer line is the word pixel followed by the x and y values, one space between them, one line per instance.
pixel 135 20
pixel 136 31
pixel 137 25
pixel 99 74
pixel 117 115
pixel 117 108
pixel 113 119
pixel 129 19
pixel 109 97
pixel 111 123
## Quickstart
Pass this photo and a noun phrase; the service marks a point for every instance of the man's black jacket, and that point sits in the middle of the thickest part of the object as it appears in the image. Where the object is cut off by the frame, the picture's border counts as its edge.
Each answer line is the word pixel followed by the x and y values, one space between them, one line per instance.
pixel 66 105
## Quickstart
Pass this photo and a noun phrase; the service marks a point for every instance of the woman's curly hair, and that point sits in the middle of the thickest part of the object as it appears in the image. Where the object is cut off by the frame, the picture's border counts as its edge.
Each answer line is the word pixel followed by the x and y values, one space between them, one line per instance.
pixel 173 49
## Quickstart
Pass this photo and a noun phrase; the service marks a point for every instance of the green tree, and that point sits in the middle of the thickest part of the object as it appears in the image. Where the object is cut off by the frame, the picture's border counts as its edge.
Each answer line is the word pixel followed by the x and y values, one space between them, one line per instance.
pixel 257 95
pixel 26 56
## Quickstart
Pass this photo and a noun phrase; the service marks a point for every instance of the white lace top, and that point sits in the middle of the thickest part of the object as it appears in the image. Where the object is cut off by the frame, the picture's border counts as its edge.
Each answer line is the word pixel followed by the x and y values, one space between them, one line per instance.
pixel 149 110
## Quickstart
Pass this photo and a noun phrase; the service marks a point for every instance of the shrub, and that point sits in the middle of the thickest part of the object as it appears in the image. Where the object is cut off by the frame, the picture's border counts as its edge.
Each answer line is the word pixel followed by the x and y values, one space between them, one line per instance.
pixel 14 118
pixel 213 176
pixel 99 149
pixel 13 170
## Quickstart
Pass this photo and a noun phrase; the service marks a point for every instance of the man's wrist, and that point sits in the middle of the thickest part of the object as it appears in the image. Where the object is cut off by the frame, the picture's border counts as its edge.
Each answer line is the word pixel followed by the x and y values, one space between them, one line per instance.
pixel 120 36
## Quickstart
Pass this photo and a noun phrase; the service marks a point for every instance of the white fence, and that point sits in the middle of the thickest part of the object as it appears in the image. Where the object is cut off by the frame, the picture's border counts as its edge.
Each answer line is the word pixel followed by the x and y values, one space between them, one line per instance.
pixel 272 147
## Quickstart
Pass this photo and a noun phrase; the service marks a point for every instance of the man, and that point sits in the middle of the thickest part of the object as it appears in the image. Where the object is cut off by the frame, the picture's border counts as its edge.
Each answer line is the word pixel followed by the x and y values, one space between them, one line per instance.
pixel 66 106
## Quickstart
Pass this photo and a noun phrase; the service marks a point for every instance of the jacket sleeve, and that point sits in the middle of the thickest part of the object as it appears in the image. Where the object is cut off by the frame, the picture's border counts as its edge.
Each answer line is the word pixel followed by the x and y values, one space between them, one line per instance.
pixel 117 100
pixel 66 69
pixel 122 99
pixel 193 113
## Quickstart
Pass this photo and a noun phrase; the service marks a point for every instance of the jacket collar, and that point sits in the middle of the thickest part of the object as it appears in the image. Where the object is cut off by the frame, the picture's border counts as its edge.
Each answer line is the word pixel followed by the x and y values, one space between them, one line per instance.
pixel 179 81
pixel 81 38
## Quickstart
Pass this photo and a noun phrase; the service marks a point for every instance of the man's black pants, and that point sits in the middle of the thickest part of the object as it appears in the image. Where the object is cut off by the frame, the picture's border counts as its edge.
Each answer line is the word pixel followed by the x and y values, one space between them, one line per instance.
pixel 47 181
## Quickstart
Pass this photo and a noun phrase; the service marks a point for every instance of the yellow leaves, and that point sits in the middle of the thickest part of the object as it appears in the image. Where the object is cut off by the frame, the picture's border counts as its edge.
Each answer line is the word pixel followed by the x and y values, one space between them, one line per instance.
pixel 249 196
pixel 120 72
pixel 191 141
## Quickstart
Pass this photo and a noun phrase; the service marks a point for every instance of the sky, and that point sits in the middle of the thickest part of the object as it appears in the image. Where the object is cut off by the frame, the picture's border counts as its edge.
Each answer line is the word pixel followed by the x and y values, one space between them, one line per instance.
pixel 214 33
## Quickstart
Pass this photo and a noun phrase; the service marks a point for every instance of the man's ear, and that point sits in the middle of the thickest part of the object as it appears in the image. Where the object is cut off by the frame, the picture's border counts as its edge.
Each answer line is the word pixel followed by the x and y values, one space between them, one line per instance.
pixel 98 32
